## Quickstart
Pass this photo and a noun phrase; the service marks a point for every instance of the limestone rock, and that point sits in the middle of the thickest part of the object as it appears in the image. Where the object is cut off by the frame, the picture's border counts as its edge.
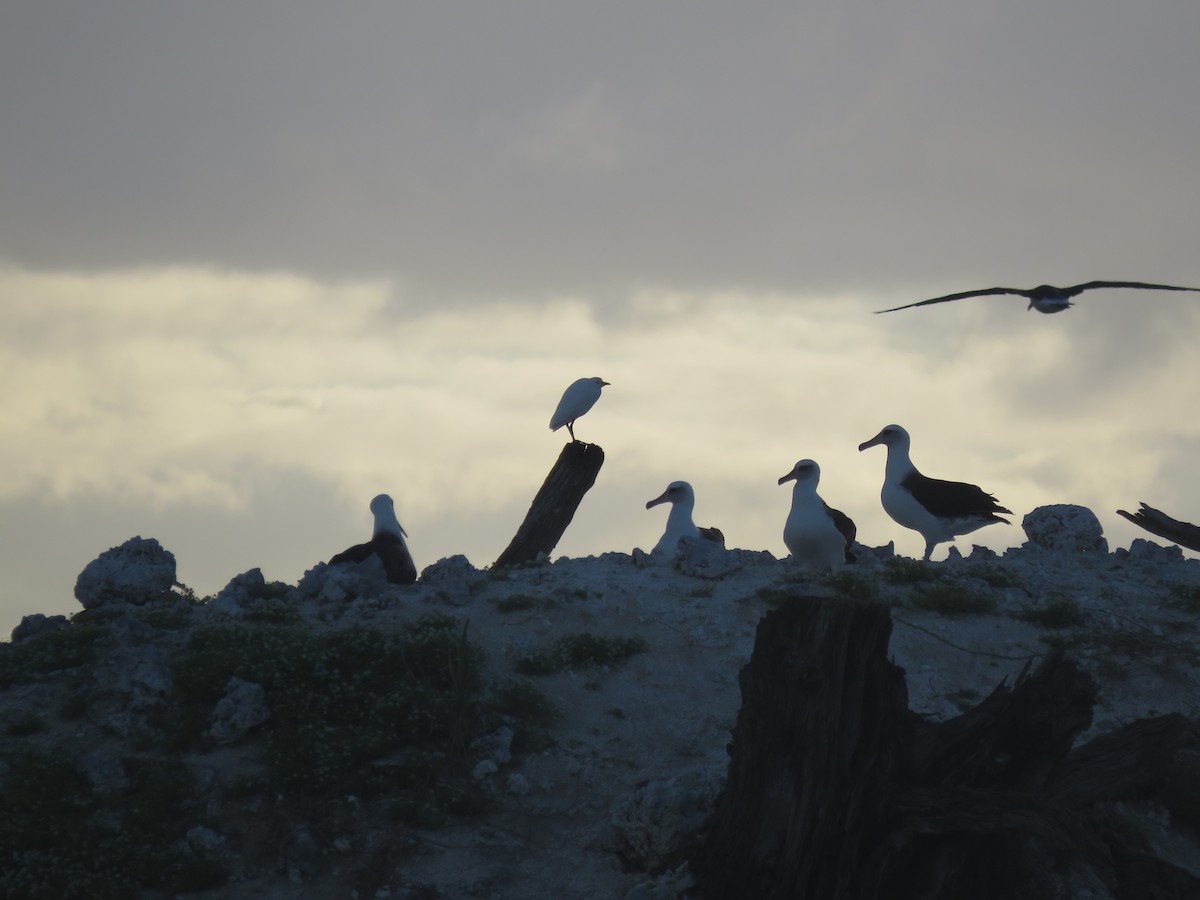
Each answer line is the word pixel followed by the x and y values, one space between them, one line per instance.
pixel 138 572
pixel 243 708
pixel 1065 528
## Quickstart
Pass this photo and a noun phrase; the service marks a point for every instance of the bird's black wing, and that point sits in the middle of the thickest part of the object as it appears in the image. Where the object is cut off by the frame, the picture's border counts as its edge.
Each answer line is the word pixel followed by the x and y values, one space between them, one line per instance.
pixel 355 554
pixel 845 526
pixel 1080 288
pixel 959 296
pixel 712 534
pixel 397 561
pixel 1183 533
pixel 950 499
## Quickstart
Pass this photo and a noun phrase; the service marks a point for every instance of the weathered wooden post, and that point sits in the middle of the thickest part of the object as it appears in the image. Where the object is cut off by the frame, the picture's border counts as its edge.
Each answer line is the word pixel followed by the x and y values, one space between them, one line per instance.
pixel 836 791
pixel 554 506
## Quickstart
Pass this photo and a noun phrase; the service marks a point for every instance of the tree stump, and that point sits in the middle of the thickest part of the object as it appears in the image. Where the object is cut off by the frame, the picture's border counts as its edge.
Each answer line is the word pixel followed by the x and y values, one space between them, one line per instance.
pixel 554 506
pixel 837 790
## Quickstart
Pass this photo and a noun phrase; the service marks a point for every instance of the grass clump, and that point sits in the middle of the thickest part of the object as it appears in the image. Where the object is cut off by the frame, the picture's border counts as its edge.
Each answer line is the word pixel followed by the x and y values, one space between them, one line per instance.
pixel 523 602
pixel 1185 597
pixel 902 570
pixel 67 648
pixel 61 838
pixel 950 599
pixel 337 700
pixel 1062 613
pixel 521 700
pixel 997 577
pixel 853 586
pixel 575 651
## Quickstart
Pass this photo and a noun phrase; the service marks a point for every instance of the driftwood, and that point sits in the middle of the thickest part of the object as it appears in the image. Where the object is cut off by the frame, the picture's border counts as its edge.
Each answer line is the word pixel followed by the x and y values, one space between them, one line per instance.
pixel 554 506
pixel 837 790
pixel 1182 533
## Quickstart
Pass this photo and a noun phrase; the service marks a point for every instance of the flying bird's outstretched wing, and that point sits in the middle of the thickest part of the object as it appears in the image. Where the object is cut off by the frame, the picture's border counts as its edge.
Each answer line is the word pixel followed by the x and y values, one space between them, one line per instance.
pixel 959 296
pixel 1080 288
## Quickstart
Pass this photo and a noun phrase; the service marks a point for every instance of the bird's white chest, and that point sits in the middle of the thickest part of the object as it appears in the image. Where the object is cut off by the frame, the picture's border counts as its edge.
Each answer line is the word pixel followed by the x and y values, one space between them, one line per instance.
pixel 812 538
pixel 904 509
pixel 679 525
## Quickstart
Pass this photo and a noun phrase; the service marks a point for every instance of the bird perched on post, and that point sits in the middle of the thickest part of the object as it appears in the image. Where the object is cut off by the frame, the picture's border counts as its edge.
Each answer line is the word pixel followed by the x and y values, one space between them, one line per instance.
pixel 387 542
pixel 939 510
pixel 576 400
pixel 679 522
pixel 815 533
pixel 1045 298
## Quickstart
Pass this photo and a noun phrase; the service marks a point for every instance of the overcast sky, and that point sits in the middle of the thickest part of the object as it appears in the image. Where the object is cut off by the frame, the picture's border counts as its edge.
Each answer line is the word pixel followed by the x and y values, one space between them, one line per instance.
pixel 261 261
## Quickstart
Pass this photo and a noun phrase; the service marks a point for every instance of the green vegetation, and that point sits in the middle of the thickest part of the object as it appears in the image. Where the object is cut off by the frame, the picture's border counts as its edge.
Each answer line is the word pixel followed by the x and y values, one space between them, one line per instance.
pixel 951 599
pixel 522 602
pixel 997 577
pixel 521 700
pixel 337 700
pixel 902 570
pixel 59 838
pixel 67 648
pixel 1185 597
pixel 574 651
pixel 853 586
pixel 1061 613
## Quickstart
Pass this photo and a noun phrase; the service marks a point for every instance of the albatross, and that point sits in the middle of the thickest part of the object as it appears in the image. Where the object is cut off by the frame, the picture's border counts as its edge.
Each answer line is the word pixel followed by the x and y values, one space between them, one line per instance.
pixel 576 400
pixel 387 542
pixel 1045 298
pixel 679 522
pixel 939 510
pixel 815 533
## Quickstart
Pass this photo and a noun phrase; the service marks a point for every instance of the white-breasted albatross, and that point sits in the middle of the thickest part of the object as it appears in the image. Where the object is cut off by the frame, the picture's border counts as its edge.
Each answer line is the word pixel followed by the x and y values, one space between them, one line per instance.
pixel 576 400
pixel 387 542
pixel 939 510
pixel 679 522
pixel 815 533
pixel 1045 298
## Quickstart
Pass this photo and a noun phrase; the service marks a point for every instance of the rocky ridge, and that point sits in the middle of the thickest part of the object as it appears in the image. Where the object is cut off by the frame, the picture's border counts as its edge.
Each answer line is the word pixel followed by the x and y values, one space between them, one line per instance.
pixel 555 730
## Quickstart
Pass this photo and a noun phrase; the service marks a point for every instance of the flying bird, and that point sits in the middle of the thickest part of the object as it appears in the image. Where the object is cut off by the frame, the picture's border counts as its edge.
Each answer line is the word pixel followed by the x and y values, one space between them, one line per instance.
pixel 387 542
pixel 815 533
pixel 576 400
pixel 1045 298
pixel 679 522
pixel 939 510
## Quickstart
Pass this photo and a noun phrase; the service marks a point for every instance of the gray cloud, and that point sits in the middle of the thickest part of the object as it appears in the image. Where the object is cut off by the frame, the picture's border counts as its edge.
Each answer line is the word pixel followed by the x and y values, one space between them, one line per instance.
pixel 532 150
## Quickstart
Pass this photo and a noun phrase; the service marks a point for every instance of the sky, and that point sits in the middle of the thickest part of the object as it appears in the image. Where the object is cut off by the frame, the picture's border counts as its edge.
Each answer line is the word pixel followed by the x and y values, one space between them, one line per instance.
pixel 262 261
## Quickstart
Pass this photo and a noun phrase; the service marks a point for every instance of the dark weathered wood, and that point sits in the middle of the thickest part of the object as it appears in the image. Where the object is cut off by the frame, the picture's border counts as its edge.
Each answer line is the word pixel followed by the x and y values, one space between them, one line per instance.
pixel 554 506
pixel 815 744
pixel 837 791
pixel 1182 533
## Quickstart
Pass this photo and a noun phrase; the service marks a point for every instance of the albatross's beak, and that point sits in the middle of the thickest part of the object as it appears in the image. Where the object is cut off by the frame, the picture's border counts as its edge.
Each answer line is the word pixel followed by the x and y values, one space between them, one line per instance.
pixel 661 498
pixel 873 442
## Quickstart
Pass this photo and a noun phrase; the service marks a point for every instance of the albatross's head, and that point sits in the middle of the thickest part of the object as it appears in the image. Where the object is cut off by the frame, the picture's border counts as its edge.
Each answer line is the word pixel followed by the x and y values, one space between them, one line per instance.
pixel 891 436
pixel 676 492
pixel 385 516
pixel 804 471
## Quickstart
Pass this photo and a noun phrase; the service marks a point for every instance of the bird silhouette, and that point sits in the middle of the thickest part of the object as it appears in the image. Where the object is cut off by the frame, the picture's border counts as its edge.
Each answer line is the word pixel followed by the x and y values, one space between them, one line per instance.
pixel 1045 298
pixel 576 400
